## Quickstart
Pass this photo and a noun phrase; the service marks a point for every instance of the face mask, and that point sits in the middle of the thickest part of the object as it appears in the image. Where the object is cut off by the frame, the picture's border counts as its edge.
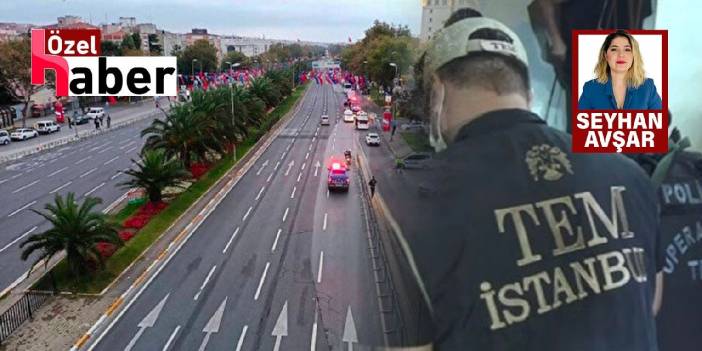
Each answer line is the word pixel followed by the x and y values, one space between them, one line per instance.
pixel 436 139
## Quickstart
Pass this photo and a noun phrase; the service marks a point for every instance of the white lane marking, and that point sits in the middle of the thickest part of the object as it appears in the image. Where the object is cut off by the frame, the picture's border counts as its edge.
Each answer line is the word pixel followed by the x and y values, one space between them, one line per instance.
pixel 299 176
pixel 324 226
pixel 57 172
pixel 247 213
pixel 313 339
pixel 321 264
pixel 292 196
pixel 19 238
pixel 105 149
pixel 110 161
pixel 269 177
pixel 88 172
pixel 327 193
pixel 276 165
pixel 260 192
pixel 170 340
pixel 123 141
pixel 16 176
pixel 260 283
pixel 207 279
pixel 275 243
pixel 95 188
pixel 283 155
pixel 241 338
pixel 116 175
pixel 313 138
pixel 54 160
pixel 61 187
pixel 25 187
pixel 130 150
pixel 303 166
pixel 230 240
pixel 126 146
pixel 83 160
pixel 307 155
pixel 4 180
pixel 309 148
pixel 21 208
pixel 285 215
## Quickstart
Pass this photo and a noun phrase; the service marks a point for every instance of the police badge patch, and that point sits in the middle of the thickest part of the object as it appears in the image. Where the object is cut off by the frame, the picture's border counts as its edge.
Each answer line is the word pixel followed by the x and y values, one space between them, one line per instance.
pixel 547 162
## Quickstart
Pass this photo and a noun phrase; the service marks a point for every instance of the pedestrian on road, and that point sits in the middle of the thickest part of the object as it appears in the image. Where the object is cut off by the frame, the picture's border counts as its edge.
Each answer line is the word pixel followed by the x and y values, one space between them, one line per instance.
pixel 372 184
pixel 97 123
pixel 68 118
pixel 109 121
pixel 514 235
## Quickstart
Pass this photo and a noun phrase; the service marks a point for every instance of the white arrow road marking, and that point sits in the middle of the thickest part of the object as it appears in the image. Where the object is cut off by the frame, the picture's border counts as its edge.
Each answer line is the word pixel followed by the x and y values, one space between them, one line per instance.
pixel 61 187
pixel 260 192
pixel 147 322
pixel 263 278
pixel 170 340
pixel 213 325
pixel 230 240
pixel 241 338
pixel 285 215
pixel 321 264
pixel 316 167
pixel 324 226
pixel 57 172
pixel 350 335
pixel 290 165
pixel 207 279
pixel 18 239
pixel 21 208
pixel 25 187
pixel 275 243
pixel 247 213
pixel 281 327
pixel 262 167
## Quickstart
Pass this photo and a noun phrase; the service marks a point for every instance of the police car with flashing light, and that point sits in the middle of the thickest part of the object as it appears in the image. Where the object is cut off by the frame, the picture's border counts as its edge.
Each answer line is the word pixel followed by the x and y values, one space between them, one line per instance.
pixel 338 177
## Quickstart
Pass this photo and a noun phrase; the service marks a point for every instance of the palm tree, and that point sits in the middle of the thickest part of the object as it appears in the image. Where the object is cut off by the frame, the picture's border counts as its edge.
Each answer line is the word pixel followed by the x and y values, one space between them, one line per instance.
pixel 75 229
pixel 155 171
pixel 266 91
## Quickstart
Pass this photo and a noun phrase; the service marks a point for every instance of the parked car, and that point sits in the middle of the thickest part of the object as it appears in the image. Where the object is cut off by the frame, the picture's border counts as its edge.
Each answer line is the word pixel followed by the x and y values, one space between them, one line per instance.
pixel 23 134
pixel 79 118
pixel 47 127
pixel 416 160
pixel 96 112
pixel 412 125
pixel 39 110
pixel 372 139
pixel 4 137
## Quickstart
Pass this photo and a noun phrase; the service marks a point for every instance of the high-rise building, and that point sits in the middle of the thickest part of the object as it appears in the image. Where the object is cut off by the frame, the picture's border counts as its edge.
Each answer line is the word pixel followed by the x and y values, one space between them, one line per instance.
pixel 436 12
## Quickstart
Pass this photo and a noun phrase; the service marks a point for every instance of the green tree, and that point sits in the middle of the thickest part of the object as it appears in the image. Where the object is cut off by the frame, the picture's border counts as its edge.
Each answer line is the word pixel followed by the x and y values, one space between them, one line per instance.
pixel 136 38
pixel 154 172
pixel 75 229
pixel 155 47
pixel 110 48
pixel 204 52
pixel 265 90
pixel 128 43
pixel 16 72
pixel 235 57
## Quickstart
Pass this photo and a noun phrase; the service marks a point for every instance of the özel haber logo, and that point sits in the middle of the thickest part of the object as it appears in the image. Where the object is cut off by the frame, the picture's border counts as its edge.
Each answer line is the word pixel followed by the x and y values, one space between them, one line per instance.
pixel 74 55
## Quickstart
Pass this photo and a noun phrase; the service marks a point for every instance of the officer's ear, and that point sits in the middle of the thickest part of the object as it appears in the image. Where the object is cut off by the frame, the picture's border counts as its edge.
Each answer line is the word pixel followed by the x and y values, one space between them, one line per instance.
pixel 530 98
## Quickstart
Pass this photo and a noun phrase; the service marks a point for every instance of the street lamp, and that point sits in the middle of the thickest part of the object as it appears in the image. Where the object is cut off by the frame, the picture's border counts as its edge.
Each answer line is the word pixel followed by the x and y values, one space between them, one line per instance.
pixel 231 94
pixel 192 68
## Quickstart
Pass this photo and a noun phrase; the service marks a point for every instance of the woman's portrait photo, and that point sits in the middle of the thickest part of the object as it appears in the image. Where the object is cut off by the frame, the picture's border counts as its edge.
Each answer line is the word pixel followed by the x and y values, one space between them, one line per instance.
pixel 619 80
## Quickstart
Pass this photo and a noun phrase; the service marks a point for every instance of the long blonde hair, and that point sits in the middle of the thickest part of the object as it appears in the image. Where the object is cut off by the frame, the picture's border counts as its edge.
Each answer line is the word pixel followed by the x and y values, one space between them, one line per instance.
pixel 636 74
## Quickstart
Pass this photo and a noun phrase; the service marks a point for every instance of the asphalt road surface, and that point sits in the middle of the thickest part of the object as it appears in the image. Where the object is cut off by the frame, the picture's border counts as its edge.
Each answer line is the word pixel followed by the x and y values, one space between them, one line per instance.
pixel 280 264
pixel 89 167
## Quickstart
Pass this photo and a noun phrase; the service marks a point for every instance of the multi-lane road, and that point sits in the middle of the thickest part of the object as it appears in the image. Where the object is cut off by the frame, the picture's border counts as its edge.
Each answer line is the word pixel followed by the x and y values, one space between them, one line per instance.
pixel 279 264
pixel 87 168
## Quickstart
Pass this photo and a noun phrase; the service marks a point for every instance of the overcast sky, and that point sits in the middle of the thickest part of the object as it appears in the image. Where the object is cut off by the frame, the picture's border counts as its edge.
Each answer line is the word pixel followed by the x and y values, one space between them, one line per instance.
pixel 315 20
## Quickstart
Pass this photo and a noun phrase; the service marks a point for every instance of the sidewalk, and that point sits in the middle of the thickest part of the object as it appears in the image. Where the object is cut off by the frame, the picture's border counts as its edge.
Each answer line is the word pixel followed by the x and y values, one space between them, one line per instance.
pixel 397 145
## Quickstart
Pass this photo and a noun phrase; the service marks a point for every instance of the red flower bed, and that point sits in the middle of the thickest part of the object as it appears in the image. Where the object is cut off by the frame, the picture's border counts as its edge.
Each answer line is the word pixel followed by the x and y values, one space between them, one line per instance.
pixel 143 216
pixel 198 169
pixel 126 235
pixel 106 249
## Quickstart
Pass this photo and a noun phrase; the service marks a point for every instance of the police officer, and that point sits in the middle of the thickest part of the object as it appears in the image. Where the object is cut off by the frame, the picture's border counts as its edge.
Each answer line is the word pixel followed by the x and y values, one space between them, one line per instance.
pixel 518 243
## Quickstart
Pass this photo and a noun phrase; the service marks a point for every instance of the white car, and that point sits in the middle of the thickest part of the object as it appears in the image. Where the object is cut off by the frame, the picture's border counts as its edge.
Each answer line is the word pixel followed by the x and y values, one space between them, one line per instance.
pixel 4 137
pixel 96 112
pixel 23 134
pixel 348 116
pixel 47 127
pixel 372 139
pixel 325 120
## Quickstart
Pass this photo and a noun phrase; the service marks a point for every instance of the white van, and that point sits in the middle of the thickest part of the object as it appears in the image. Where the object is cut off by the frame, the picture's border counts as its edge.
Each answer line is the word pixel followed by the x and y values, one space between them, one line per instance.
pixel 47 127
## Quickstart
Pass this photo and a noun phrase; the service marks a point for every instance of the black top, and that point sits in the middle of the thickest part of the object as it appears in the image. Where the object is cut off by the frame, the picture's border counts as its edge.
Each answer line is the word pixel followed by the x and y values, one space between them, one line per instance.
pixel 523 245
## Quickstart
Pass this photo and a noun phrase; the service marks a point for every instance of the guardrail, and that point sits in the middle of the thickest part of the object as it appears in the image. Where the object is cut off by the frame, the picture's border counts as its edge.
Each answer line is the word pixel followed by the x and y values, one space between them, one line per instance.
pixel 21 311
pixel 69 139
